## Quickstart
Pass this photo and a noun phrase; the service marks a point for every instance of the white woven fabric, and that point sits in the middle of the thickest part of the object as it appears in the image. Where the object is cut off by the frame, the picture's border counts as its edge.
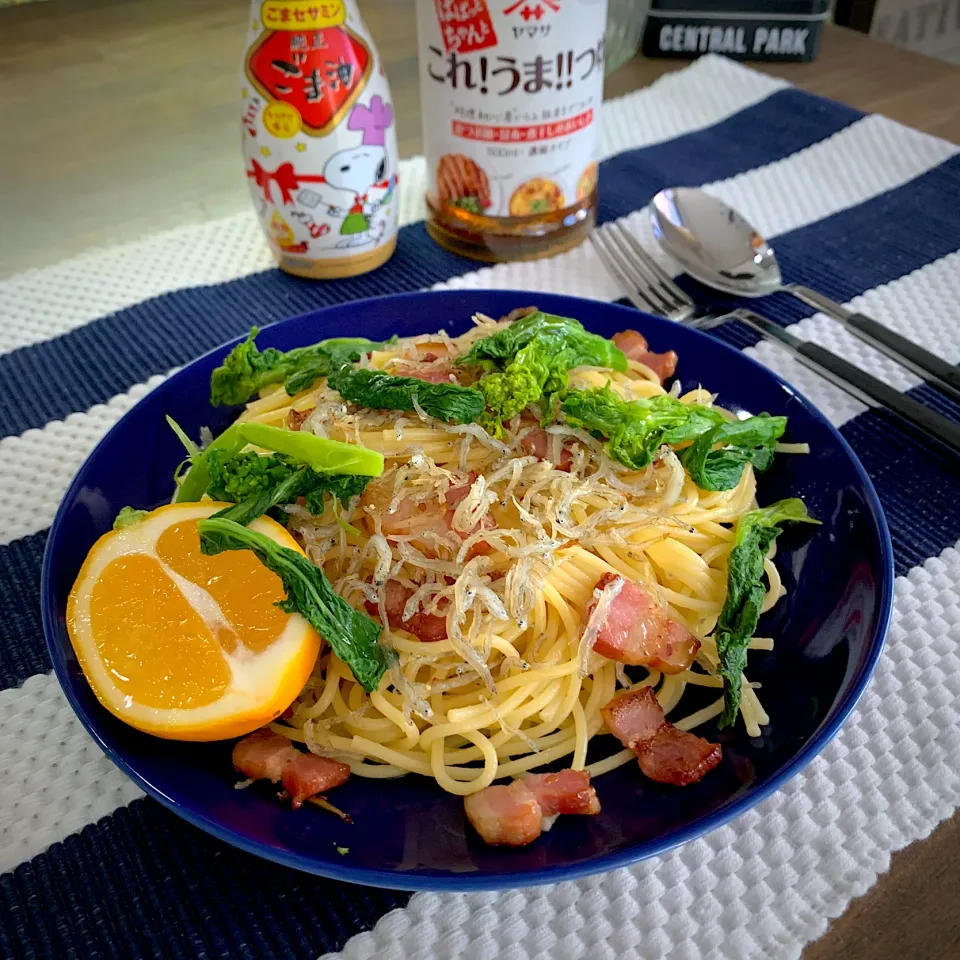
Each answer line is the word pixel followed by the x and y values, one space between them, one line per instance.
pixel 762 886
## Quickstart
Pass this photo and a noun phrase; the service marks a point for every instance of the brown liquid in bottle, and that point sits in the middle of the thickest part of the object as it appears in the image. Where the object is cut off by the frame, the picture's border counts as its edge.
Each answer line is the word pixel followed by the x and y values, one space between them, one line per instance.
pixel 510 96
pixel 510 238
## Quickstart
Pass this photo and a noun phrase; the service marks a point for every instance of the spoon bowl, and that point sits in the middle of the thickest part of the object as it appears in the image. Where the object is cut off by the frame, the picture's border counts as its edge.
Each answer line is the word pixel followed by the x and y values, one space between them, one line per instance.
pixel 714 243
pixel 718 247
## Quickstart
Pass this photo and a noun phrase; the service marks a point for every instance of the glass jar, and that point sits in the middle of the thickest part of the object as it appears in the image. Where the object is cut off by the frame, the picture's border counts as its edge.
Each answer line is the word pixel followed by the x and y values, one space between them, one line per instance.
pixel 625 23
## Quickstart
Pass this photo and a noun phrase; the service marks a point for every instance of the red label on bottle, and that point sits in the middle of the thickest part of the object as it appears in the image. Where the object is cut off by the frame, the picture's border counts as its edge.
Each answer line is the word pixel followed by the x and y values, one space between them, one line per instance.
pixel 319 73
pixel 465 25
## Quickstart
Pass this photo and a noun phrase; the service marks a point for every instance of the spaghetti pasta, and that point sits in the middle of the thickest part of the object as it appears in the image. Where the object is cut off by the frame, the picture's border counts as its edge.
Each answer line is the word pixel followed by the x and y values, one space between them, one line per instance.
pixel 499 543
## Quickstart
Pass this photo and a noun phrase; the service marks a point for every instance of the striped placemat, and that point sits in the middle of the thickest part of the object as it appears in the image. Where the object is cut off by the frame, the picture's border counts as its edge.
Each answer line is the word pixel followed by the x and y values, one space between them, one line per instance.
pixel 92 868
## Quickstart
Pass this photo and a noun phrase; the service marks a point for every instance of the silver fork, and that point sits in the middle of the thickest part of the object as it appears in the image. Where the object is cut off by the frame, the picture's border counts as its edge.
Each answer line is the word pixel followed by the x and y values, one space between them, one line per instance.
pixel 650 288
pixel 647 285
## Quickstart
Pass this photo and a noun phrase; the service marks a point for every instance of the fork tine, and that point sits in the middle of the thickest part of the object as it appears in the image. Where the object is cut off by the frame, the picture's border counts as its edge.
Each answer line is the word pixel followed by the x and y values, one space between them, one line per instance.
pixel 628 269
pixel 635 294
pixel 663 279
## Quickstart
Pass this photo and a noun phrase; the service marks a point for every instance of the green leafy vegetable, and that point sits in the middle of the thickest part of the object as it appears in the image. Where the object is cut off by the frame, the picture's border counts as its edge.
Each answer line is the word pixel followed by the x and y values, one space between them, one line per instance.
pixel 128 516
pixel 381 391
pixel 318 453
pixel 636 429
pixel 256 484
pixel 285 491
pixel 531 359
pixel 470 204
pixel 742 442
pixel 754 535
pixel 353 636
pixel 247 369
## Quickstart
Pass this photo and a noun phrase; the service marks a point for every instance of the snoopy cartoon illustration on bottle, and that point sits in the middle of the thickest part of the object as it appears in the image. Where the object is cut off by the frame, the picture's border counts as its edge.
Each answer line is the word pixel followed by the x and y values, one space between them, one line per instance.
pixel 361 171
pixel 319 138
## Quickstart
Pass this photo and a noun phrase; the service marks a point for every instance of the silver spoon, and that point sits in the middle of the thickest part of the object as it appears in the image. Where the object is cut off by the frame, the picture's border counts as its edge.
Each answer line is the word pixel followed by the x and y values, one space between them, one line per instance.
pixel 716 246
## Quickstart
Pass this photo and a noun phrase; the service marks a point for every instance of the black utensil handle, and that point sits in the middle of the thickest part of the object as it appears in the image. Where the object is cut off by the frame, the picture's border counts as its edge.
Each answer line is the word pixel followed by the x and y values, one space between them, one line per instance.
pixel 936 371
pixel 870 389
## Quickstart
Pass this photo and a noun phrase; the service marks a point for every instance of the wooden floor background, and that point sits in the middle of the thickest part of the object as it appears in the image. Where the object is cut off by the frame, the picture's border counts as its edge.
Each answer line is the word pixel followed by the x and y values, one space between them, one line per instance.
pixel 119 118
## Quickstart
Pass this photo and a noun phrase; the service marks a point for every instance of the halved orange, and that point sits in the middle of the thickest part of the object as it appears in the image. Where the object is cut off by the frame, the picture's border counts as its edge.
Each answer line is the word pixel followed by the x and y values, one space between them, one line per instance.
pixel 182 645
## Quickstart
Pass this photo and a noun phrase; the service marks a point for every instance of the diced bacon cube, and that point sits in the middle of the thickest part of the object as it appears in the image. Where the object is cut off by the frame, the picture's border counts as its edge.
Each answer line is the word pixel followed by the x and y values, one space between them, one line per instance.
pixel 631 631
pixel 307 775
pixel 637 630
pixel 567 791
pixel 678 649
pixel 634 345
pixel 263 755
pixel 505 815
pixel 634 716
pixel 427 627
pixel 677 757
pixel 665 754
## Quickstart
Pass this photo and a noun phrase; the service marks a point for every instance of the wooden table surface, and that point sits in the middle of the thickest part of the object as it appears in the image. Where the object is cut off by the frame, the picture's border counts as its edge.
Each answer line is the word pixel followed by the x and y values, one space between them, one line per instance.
pixel 119 119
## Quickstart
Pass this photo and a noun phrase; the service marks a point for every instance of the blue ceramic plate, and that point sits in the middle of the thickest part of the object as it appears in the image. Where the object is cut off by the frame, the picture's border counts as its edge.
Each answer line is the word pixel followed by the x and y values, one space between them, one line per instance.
pixel 408 833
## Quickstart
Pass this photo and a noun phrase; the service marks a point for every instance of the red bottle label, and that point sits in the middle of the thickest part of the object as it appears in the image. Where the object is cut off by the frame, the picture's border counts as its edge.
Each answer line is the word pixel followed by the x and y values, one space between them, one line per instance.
pixel 319 73
pixel 465 25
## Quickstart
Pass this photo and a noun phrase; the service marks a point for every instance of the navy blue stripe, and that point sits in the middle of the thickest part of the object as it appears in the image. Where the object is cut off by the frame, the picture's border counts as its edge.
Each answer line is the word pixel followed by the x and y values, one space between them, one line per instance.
pixel 103 358
pixel 22 649
pixel 917 480
pixel 143 883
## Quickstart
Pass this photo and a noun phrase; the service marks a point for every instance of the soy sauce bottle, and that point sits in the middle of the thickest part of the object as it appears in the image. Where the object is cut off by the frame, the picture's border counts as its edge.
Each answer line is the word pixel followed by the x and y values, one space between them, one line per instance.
pixel 511 95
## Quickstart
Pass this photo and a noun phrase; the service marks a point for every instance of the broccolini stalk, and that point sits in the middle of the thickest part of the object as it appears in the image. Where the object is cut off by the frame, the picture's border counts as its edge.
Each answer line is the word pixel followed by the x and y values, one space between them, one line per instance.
pixel 318 453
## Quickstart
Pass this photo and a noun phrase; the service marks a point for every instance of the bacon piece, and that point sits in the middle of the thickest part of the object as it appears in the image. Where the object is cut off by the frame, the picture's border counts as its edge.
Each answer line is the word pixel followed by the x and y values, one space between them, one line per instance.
pixel 634 345
pixel 518 313
pixel 677 651
pixel 665 754
pixel 637 631
pixel 427 627
pixel 567 791
pixel 536 442
pixel 436 372
pixel 632 342
pixel 297 418
pixel 307 775
pixel 514 815
pixel 633 717
pixel 677 757
pixel 455 494
pixel 633 626
pixel 505 815
pixel 265 755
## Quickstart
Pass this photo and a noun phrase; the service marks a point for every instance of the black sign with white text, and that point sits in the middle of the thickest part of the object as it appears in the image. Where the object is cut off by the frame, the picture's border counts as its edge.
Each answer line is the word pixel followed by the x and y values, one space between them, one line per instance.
pixel 740 29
